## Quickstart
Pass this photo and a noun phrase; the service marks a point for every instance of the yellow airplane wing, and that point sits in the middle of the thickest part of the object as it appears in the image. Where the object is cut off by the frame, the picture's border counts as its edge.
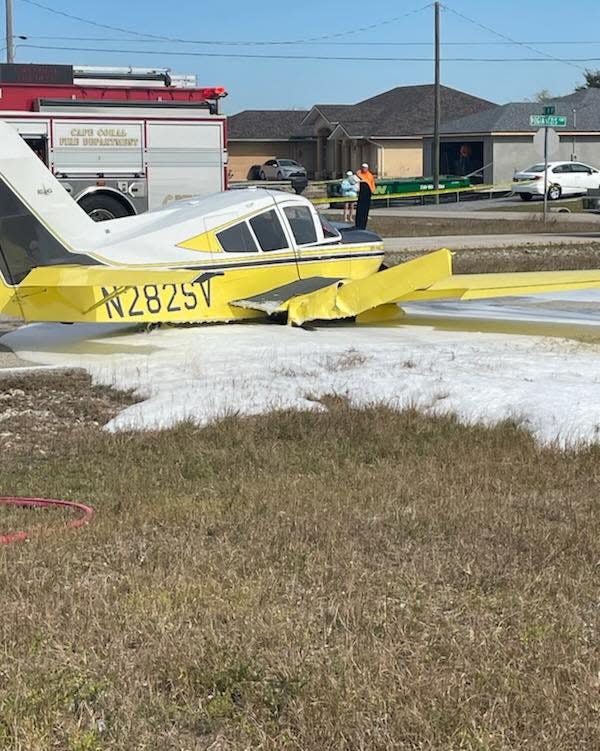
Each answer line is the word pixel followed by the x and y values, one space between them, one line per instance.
pixel 482 286
pixel 80 293
pixel 428 277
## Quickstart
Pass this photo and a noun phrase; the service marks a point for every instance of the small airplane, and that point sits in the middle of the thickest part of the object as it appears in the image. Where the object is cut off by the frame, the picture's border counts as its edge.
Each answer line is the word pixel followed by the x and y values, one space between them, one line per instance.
pixel 236 255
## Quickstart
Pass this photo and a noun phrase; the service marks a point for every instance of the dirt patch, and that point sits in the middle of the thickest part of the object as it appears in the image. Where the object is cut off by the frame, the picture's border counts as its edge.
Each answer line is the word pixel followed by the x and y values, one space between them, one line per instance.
pixel 37 410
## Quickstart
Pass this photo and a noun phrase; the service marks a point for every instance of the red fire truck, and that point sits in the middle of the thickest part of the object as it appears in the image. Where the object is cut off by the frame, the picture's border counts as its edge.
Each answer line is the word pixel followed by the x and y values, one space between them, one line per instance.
pixel 120 140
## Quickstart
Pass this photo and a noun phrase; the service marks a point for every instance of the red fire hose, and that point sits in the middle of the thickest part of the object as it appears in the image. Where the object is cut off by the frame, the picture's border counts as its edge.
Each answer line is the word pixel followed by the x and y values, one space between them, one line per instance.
pixel 86 514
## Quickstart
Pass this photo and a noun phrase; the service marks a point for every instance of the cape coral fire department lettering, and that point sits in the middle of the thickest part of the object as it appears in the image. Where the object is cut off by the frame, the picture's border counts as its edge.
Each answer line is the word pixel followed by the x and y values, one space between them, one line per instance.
pixel 119 137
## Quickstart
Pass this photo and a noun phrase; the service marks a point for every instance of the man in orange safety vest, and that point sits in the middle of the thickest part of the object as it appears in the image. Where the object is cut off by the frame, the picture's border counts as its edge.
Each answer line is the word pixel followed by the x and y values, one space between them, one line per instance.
pixel 366 190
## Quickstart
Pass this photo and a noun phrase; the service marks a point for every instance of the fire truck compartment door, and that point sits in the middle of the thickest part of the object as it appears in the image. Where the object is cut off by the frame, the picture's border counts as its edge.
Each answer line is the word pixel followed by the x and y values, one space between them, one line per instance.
pixel 97 147
pixel 33 128
pixel 184 160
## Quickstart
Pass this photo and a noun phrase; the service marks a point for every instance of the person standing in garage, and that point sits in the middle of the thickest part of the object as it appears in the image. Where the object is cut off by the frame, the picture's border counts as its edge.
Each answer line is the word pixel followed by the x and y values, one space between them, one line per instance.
pixel 366 190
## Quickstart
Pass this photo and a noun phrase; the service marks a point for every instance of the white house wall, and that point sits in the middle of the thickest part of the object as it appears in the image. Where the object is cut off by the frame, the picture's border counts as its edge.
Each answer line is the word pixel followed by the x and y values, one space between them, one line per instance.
pixel 587 149
pixel 517 152
pixel 512 153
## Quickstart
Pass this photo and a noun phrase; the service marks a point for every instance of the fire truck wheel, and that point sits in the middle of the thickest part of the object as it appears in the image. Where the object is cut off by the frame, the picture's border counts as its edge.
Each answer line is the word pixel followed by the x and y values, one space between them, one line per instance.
pixel 102 207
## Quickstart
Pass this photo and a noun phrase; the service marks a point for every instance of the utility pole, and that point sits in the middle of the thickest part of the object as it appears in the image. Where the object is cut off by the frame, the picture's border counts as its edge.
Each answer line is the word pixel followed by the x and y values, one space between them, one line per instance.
pixel 10 39
pixel 545 176
pixel 436 105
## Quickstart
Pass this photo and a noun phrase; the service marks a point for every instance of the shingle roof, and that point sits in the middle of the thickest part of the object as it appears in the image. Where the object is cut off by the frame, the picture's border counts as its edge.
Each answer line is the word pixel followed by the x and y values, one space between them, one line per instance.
pixel 267 124
pixel 514 117
pixel 333 112
pixel 408 110
pixel 402 111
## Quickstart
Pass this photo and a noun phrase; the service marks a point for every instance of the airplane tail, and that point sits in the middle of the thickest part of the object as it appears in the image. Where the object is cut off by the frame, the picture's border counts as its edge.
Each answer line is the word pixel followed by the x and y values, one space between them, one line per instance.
pixel 40 224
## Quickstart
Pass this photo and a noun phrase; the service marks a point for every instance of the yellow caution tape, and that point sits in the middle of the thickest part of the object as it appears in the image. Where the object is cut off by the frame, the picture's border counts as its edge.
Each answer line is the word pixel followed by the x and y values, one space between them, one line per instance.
pixel 414 194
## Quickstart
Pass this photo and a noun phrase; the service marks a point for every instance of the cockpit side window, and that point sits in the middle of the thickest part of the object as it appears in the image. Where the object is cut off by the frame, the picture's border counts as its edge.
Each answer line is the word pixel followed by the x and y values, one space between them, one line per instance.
pixel 268 231
pixel 237 239
pixel 329 231
pixel 302 224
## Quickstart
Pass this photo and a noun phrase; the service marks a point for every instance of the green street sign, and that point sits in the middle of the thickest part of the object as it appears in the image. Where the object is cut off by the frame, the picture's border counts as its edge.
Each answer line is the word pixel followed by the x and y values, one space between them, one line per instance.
pixel 549 109
pixel 548 121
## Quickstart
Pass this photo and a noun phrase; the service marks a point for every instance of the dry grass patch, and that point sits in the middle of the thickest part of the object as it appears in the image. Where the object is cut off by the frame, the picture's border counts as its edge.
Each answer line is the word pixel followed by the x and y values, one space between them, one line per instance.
pixel 347 360
pixel 527 258
pixel 348 579
pixel 537 206
pixel 411 226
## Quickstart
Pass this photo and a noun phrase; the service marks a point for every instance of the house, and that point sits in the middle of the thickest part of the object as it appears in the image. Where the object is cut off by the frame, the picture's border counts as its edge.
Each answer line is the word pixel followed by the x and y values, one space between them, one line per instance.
pixel 386 131
pixel 500 140
pixel 253 136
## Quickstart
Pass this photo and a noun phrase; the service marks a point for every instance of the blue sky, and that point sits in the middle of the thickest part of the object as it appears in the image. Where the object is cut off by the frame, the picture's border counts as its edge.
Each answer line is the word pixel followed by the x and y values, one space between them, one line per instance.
pixel 276 83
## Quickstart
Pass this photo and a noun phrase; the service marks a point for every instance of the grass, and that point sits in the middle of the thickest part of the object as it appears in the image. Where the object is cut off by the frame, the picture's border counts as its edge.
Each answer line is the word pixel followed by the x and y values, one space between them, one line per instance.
pixel 536 206
pixel 522 258
pixel 410 226
pixel 344 579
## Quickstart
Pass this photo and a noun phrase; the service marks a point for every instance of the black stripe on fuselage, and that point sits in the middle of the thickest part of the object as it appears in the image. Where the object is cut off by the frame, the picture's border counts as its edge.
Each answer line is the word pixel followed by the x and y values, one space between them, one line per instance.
pixel 232 265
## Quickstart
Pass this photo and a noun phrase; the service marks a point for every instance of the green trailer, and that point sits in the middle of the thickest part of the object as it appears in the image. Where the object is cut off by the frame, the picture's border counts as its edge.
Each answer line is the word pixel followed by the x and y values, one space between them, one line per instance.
pixel 397 186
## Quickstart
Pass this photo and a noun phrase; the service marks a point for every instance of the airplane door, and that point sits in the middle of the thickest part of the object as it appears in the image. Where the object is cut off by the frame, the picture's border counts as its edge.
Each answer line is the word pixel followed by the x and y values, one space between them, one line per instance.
pixel 314 255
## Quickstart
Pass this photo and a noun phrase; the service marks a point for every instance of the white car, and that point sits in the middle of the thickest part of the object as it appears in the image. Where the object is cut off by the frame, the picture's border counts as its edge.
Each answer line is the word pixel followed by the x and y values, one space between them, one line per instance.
pixel 281 169
pixel 564 179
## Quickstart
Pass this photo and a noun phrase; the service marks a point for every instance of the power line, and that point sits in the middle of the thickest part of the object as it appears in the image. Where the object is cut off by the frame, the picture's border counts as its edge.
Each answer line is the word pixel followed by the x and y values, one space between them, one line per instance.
pixel 164 38
pixel 526 45
pixel 329 44
pixel 353 58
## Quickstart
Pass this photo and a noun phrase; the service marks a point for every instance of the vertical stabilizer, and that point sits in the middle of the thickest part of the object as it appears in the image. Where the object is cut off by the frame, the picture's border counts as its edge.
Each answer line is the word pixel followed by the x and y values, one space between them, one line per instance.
pixel 40 224
pixel 31 181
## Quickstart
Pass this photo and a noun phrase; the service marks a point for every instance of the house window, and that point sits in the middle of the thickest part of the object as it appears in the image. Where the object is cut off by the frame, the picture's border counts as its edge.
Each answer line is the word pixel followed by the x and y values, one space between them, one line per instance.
pixel 268 231
pixel 302 224
pixel 237 239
